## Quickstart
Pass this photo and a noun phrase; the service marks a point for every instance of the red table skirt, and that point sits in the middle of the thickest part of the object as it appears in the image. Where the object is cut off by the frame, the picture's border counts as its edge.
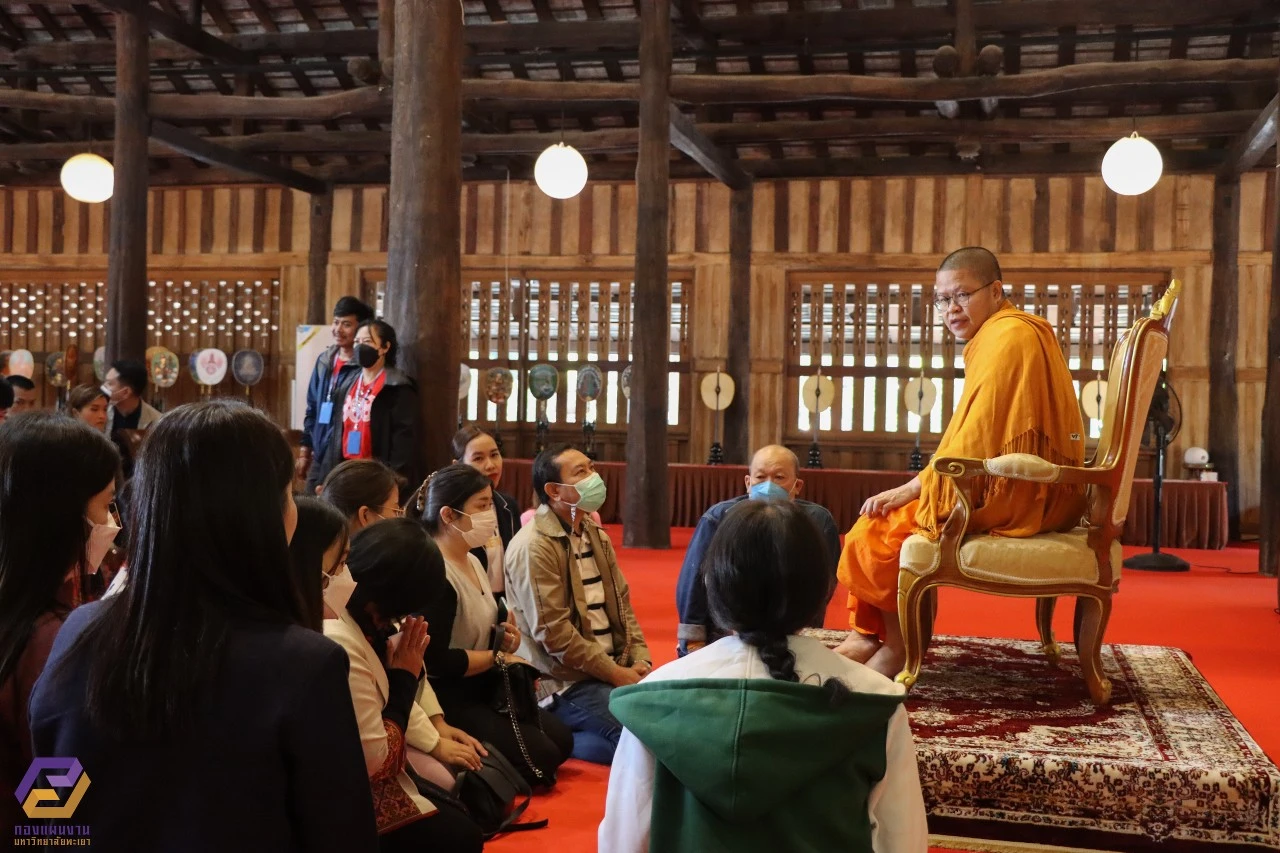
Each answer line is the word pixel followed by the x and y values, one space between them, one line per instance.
pixel 1195 513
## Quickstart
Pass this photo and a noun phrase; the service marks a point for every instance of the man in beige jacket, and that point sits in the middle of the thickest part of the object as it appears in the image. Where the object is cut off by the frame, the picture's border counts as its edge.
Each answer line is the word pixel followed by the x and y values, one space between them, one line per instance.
pixel 572 604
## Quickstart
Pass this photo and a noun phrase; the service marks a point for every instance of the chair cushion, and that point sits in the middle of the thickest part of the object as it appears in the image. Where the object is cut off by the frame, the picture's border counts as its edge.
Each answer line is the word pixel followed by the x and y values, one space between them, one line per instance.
pixel 1046 558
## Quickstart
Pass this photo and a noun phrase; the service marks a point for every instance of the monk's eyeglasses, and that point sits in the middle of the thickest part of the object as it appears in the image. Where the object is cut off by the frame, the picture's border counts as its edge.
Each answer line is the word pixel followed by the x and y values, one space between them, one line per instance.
pixel 943 303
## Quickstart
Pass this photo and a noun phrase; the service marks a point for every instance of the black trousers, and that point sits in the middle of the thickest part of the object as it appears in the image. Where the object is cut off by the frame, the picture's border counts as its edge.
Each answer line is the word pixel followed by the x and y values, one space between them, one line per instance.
pixel 548 747
pixel 449 828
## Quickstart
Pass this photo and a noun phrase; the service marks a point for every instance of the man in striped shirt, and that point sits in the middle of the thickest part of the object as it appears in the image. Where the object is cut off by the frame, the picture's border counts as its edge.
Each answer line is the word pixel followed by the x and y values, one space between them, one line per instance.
pixel 572 604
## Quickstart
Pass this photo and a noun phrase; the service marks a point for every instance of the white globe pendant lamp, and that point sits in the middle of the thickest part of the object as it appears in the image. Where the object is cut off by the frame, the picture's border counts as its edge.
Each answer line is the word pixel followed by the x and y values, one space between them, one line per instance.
pixel 88 178
pixel 561 171
pixel 1132 165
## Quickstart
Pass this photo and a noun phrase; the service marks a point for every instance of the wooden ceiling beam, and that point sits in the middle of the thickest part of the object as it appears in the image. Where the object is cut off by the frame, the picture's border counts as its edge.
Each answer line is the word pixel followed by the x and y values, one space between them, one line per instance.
pixel 213 154
pixel 687 138
pixel 938 21
pixel 690 88
pixel 180 31
pixel 1245 151
pixel 816 28
pixel 702 88
pixel 706 136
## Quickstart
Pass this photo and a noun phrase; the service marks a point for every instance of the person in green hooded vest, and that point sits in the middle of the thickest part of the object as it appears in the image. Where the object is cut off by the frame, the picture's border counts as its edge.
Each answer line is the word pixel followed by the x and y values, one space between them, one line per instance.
pixel 764 740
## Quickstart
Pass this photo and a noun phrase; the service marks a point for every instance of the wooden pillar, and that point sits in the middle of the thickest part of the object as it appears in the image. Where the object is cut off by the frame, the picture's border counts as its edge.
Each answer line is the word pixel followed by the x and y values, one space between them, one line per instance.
pixel 1224 314
pixel 1269 511
pixel 127 246
pixel 424 269
pixel 737 418
pixel 1269 514
pixel 318 257
pixel 386 36
pixel 647 511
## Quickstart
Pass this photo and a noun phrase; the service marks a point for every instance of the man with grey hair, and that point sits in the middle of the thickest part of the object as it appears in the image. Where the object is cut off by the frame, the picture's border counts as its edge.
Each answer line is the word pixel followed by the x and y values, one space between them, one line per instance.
pixel 773 475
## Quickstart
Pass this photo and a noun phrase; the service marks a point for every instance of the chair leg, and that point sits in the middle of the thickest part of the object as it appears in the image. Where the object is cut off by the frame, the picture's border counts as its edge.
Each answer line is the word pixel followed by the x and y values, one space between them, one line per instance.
pixel 1093 613
pixel 1044 622
pixel 929 618
pixel 912 592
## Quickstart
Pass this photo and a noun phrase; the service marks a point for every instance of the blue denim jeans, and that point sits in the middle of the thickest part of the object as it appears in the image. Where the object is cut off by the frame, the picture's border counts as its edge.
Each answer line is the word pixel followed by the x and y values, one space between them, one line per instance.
pixel 584 708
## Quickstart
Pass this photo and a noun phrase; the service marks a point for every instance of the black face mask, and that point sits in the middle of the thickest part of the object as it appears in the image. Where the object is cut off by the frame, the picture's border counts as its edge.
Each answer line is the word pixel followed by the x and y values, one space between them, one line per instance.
pixel 367 356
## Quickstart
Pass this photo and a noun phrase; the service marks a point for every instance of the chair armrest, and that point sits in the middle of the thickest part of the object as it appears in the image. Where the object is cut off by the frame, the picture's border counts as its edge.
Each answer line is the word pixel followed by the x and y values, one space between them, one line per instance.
pixel 1020 466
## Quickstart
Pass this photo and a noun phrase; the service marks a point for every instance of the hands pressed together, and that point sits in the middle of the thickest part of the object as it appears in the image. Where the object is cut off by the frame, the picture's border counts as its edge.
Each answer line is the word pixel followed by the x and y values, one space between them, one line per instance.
pixel 405 648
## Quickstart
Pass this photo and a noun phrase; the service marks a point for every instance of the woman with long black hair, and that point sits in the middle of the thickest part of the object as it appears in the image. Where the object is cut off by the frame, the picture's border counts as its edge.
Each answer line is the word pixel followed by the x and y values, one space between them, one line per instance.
pixel 204 712
pixel 475 446
pixel 396 570
pixel 55 528
pixel 463 662
pixel 815 752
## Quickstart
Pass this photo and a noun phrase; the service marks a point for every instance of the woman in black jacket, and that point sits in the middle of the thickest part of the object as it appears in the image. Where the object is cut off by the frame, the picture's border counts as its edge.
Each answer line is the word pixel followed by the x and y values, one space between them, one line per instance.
pixel 378 410
pixel 197 685
pixel 474 446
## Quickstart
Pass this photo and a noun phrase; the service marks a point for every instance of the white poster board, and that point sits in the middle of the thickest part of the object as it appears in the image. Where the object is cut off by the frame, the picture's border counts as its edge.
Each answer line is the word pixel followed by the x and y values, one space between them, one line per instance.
pixel 311 342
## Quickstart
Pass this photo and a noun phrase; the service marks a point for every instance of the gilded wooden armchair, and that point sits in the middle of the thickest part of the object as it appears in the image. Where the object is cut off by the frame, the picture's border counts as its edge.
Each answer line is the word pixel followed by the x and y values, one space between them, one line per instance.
pixel 1084 562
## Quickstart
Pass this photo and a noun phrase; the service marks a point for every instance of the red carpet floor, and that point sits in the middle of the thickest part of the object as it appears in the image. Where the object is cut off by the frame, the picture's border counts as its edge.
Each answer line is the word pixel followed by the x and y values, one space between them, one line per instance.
pixel 1221 612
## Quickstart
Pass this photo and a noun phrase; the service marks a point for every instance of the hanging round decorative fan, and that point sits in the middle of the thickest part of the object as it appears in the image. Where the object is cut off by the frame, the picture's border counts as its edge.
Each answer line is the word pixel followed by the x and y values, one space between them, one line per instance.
pixel 247 367
pixel 464 381
pixel 590 383
pixel 100 363
pixel 1092 395
pixel 818 393
pixel 919 395
pixel 211 366
pixel 498 383
pixel 54 370
pixel 717 391
pixel 624 382
pixel 163 367
pixel 544 381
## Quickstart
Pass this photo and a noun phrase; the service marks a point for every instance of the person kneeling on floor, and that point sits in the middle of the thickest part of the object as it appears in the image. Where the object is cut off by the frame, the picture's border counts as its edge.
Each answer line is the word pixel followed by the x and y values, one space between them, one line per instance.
pixel 764 740
pixel 572 604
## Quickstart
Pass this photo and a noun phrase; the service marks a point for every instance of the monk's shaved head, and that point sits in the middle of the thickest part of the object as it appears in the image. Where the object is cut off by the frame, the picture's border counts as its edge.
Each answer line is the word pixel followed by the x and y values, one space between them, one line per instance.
pixel 975 260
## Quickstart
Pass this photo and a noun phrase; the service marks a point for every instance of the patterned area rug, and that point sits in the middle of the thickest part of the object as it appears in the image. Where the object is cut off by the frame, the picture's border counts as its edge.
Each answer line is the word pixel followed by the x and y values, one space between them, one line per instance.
pixel 1012 749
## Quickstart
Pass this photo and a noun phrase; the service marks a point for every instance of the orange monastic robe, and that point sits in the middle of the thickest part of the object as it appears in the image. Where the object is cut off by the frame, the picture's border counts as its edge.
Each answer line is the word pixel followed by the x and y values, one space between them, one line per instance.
pixel 1018 398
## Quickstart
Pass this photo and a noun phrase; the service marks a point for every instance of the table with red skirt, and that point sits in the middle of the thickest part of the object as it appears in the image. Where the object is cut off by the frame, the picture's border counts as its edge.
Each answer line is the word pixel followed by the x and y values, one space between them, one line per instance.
pixel 1194 512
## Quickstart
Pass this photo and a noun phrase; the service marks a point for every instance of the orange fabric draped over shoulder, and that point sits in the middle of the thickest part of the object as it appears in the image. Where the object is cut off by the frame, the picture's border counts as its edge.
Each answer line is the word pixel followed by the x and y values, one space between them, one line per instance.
pixel 1018 398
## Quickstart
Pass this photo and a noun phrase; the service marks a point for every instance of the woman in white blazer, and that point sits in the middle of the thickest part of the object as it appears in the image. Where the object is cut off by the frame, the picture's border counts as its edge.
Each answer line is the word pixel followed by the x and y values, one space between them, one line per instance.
pixel 385 668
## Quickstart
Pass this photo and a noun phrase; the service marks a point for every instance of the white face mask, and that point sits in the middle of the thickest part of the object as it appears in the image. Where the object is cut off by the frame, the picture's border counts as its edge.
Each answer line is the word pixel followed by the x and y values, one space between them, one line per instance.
pixel 484 526
pixel 101 537
pixel 338 591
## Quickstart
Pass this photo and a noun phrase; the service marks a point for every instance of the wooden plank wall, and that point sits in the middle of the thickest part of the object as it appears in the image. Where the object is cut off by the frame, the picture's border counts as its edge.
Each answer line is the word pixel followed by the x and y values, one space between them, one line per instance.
pixel 1035 223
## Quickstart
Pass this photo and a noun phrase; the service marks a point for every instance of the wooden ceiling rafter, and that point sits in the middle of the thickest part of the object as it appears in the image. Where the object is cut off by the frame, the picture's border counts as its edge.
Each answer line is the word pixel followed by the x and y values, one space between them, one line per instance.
pixel 1051 69
pixel 892 130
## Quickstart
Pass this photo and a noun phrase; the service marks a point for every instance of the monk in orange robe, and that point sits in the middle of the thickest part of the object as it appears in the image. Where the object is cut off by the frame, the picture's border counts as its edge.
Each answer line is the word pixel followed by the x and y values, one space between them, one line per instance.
pixel 1018 398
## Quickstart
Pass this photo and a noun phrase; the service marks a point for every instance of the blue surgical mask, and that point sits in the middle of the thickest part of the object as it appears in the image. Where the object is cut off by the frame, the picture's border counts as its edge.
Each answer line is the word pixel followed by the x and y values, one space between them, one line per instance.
pixel 768 491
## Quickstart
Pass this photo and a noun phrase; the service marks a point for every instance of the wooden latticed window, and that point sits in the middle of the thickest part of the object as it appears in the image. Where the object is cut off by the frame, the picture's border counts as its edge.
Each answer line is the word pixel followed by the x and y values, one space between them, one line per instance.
pixel 564 319
pixel 49 312
pixel 873 331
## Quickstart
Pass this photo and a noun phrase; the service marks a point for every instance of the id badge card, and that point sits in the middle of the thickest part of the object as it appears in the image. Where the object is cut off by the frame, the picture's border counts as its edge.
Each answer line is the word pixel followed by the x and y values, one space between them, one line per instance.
pixel 326 412
pixel 353 443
